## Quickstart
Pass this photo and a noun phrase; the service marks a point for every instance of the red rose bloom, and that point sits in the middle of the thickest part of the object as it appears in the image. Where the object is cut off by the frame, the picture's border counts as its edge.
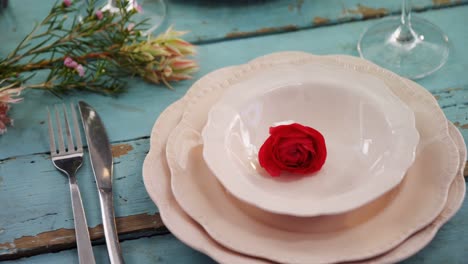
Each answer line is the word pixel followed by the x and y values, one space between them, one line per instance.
pixel 293 148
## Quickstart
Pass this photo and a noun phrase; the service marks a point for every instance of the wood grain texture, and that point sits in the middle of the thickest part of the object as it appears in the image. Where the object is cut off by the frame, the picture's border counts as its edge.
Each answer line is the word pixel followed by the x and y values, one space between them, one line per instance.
pixel 449 246
pixel 165 249
pixel 128 227
pixel 34 195
pixel 131 115
pixel 210 21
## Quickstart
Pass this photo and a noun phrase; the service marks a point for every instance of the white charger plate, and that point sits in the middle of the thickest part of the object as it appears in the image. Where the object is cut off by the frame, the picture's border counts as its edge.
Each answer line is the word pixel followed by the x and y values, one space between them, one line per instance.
pixel 157 178
pixel 367 160
pixel 204 199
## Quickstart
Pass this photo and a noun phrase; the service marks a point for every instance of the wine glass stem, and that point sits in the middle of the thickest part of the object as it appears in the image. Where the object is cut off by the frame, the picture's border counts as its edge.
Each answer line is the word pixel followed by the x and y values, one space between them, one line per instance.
pixel 405 12
pixel 405 33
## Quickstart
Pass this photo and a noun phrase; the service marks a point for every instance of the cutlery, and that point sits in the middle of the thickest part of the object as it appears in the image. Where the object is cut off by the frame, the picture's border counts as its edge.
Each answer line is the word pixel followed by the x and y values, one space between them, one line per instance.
pixel 68 160
pixel 102 164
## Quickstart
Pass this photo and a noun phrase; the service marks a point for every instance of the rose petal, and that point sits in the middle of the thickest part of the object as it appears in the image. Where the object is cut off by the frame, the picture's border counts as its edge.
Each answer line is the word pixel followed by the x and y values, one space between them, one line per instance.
pixel 294 148
pixel 266 160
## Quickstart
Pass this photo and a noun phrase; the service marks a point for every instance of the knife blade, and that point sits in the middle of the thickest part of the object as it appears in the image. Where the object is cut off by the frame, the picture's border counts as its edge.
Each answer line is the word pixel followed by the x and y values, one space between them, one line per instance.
pixel 102 163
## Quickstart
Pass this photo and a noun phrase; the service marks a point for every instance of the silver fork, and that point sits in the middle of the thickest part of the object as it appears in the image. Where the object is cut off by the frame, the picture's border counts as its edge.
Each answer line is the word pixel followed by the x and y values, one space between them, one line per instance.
pixel 68 160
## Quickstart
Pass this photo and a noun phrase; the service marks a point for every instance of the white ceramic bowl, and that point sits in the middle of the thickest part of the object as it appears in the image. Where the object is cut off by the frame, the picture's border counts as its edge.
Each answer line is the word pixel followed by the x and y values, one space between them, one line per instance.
pixel 370 135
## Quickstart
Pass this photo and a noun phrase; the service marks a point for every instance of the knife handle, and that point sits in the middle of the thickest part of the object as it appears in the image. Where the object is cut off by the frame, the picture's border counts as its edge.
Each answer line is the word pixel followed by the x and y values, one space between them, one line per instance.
pixel 110 230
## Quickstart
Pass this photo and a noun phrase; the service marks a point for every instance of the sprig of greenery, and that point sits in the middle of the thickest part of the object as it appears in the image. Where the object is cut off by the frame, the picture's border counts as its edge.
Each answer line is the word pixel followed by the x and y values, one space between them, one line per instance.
pixel 101 43
pixel 96 51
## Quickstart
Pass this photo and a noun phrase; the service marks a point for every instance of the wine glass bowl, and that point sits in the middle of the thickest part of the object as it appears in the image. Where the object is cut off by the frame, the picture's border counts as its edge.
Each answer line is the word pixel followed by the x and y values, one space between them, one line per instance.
pixel 409 46
pixel 151 12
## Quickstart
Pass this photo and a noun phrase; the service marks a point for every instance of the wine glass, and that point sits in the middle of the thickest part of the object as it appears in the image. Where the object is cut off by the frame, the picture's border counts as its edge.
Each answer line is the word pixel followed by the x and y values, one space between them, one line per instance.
pixel 409 46
pixel 152 11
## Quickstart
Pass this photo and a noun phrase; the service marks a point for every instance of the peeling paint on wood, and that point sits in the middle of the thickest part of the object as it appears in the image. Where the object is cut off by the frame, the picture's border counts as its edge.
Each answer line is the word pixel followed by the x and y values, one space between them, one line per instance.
pixel 261 31
pixel 368 12
pixel 337 39
pixel 465 172
pixel 126 107
pixel 56 240
pixel 121 150
pixel 452 89
pixel 320 21
pixel 441 2
pixel 297 5
pixel 462 126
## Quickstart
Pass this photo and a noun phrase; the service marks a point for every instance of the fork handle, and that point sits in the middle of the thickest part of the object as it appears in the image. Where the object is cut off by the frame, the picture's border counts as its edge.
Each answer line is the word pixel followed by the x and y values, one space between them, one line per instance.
pixel 83 241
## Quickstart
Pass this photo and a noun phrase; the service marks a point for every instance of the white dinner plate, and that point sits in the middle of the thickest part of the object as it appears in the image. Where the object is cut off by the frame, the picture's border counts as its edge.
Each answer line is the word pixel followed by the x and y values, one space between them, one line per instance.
pixel 156 178
pixel 416 203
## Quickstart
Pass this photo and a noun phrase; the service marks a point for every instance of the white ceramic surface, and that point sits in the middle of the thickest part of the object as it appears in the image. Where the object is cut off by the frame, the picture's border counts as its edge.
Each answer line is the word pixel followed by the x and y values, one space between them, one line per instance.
pixel 203 198
pixel 156 178
pixel 454 202
pixel 363 163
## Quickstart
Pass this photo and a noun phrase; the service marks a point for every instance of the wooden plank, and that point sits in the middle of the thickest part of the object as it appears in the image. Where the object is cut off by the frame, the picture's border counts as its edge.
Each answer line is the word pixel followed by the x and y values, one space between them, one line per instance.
pixel 454 102
pixel 46 224
pixel 449 246
pixel 29 185
pixel 132 114
pixel 44 211
pixel 128 227
pixel 35 196
pixel 165 249
pixel 210 21
pixel 465 173
pixel 213 21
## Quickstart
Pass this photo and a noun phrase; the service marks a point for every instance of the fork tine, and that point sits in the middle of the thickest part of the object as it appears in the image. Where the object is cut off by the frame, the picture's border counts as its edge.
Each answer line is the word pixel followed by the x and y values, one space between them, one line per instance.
pixel 59 129
pixel 79 145
pixel 53 150
pixel 70 145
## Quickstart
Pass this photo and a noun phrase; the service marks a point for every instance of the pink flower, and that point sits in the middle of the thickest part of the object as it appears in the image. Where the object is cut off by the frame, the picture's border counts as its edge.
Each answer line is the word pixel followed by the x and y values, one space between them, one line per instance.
pixel 80 70
pixel 4 119
pixel 182 64
pixel 70 63
pixel 130 26
pixel 99 15
pixel 6 96
pixel 67 3
pixel 137 7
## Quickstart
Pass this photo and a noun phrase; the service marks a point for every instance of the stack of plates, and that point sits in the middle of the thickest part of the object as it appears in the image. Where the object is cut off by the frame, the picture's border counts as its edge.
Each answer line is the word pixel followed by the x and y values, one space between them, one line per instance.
pixel 392 178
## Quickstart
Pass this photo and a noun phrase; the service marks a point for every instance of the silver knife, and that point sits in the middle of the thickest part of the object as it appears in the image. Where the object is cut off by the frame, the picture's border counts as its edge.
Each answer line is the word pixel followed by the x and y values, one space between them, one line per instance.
pixel 102 164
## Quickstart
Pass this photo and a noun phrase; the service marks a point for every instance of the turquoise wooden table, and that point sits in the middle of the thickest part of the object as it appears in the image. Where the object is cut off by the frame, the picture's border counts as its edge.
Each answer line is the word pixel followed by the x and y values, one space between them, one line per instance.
pixel 36 222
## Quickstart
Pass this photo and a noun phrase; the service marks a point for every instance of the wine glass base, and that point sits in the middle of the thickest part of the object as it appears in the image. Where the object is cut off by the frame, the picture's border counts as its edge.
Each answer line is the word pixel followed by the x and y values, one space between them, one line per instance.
pixel 153 12
pixel 414 58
